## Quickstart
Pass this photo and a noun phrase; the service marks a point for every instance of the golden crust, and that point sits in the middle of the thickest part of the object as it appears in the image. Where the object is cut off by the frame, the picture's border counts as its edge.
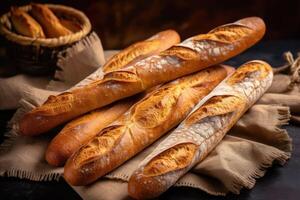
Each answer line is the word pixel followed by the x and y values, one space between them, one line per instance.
pixel 24 24
pixel 181 155
pixel 81 130
pixel 50 23
pixel 183 53
pixel 247 69
pixel 145 122
pixel 103 143
pixel 178 157
pixel 201 131
pixel 142 49
pixel 129 54
pixel 226 34
pixel 218 105
pixel 153 111
pixel 112 80
pixel 193 55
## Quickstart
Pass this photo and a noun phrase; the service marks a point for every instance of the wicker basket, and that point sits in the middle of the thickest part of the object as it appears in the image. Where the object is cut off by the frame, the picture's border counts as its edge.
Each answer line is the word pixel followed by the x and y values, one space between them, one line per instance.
pixel 38 56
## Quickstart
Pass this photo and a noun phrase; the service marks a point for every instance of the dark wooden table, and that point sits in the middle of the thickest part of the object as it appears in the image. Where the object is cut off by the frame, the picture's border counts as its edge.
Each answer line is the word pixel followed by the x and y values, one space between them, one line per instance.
pixel 278 183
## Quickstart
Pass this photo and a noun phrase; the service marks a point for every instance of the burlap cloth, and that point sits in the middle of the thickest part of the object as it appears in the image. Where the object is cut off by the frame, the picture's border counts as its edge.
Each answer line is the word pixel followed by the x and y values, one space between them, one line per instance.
pixel 255 143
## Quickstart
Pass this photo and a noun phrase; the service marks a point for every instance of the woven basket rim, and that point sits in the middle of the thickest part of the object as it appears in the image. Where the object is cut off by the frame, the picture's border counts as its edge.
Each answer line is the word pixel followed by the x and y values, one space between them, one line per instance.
pixel 48 42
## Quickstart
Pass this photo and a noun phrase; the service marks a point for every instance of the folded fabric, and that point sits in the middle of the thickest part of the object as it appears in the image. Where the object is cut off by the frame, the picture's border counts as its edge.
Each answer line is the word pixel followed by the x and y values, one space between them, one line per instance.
pixel 11 89
pixel 75 64
pixel 243 155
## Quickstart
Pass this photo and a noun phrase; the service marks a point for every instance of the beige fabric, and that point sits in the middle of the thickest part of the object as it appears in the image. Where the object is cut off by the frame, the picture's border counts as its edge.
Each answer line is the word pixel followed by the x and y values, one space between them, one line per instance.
pixel 105 189
pixel 11 89
pixel 72 62
pixel 265 119
pixel 253 144
pixel 287 82
pixel 288 100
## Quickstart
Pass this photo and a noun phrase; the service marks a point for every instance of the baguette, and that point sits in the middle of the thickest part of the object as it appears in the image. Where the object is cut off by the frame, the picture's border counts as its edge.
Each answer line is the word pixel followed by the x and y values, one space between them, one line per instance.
pixel 139 50
pixel 201 131
pixel 153 45
pixel 24 24
pixel 185 58
pixel 82 129
pixel 50 23
pixel 144 123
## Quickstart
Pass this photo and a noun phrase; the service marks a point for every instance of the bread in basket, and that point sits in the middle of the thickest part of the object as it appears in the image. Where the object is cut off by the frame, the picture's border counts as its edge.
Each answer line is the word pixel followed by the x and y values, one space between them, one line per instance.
pixel 38 56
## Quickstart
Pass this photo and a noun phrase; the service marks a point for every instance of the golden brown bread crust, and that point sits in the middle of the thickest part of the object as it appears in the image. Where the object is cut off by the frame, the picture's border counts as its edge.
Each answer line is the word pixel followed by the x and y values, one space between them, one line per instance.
pixel 50 23
pixel 82 129
pixel 200 132
pixel 178 158
pixel 133 53
pixel 247 69
pixel 24 24
pixel 189 56
pixel 153 45
pixel 164 163
pixel 144 123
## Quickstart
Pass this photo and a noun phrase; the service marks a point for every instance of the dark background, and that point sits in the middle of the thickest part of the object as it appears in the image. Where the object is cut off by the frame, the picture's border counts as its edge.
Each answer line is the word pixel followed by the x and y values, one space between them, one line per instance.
pixel 119 23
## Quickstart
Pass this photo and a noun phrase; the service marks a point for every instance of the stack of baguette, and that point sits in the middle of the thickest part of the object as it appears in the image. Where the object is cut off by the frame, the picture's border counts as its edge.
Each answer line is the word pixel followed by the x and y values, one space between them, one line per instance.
pixel 192 55
pixel 148 89
pixel 145 122
pixel 201 131
pixel 82 129
pixel 40 22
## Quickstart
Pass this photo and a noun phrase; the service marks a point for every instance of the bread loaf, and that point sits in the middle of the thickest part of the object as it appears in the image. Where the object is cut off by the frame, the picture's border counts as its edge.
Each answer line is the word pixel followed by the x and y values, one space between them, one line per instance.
pixel 192 55
pixel 144 123
pixel 201 131
pixel 24 24
pixel 50 23
pixel 139 50
pixel 79 131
